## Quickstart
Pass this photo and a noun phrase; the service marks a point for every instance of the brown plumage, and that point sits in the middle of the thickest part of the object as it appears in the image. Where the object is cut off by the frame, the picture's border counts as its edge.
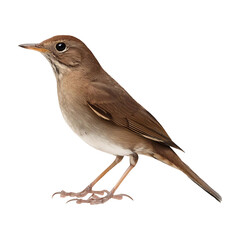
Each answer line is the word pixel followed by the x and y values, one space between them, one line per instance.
pixel 105 116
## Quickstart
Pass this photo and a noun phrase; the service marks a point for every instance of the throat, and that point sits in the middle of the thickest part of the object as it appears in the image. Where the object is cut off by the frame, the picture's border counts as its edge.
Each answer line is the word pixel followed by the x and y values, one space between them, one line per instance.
pixel 58 68
pixel 55 69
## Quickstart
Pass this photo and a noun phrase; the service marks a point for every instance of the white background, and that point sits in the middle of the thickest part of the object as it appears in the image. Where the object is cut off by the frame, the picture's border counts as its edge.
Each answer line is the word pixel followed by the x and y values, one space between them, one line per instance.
pixel 180 60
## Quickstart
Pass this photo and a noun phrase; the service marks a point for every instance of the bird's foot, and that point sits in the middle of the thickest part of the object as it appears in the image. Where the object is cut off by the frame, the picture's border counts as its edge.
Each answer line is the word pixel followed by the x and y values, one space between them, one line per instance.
pixel 94 199
pixel 81 194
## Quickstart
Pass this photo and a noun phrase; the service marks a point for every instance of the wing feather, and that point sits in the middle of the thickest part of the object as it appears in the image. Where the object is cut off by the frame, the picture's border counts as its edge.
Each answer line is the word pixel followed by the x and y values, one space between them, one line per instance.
pixel 114 104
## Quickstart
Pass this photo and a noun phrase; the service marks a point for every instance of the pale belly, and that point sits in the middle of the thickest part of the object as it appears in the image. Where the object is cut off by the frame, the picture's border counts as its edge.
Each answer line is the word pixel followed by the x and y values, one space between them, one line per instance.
pixel 104 145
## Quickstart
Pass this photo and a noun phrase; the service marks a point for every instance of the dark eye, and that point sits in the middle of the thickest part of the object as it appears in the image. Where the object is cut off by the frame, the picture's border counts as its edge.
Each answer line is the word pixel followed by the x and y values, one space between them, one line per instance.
pixel 60 46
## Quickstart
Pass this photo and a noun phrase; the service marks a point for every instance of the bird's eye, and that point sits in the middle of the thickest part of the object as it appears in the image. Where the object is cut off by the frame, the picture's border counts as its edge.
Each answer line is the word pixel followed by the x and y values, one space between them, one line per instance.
pixel 60 46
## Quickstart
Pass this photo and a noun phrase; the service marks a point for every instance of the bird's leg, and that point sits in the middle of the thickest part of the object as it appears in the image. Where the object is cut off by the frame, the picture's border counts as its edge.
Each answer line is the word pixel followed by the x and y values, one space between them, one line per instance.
pixel 97 200
pixel 88 189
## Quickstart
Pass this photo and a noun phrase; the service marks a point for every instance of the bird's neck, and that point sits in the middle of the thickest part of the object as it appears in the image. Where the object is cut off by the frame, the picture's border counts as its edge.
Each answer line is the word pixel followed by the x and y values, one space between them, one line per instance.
pixel 59 69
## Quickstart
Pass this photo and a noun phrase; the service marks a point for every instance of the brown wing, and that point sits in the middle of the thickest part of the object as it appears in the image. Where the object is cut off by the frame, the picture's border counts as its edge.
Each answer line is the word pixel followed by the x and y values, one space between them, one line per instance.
pixel 112 103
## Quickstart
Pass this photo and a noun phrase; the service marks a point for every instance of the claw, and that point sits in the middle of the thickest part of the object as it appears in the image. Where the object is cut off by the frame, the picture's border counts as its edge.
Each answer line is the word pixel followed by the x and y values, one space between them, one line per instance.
pixel 120 196
pixel 71 200
pixel 56 194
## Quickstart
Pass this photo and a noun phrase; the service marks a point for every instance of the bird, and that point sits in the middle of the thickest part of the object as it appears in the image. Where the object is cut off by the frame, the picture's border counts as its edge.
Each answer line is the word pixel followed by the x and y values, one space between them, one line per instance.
pixel 105 116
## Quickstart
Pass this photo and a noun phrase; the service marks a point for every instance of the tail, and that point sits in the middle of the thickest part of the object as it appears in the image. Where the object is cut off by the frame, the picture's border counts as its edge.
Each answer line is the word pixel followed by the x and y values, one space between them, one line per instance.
pixel 168 156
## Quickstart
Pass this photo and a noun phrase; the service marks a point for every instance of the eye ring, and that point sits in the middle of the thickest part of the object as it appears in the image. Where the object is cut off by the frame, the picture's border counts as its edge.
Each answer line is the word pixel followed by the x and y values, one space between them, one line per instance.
pixel 61 46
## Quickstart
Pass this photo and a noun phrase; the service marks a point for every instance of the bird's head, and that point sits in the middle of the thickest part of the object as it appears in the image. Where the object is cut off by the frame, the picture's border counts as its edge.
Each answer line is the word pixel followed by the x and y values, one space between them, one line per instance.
pixel 65 52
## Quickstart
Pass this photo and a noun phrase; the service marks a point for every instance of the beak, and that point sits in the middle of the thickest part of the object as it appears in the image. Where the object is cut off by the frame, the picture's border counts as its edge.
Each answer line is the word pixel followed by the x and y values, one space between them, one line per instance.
pixel 36 47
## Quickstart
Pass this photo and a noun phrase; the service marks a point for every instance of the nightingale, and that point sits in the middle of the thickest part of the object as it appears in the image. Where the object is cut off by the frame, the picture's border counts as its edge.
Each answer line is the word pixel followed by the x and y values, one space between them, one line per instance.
pixel 105 116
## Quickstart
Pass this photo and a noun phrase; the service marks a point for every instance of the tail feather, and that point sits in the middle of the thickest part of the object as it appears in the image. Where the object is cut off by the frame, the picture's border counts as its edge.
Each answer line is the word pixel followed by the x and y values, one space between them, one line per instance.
pixel 168 156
